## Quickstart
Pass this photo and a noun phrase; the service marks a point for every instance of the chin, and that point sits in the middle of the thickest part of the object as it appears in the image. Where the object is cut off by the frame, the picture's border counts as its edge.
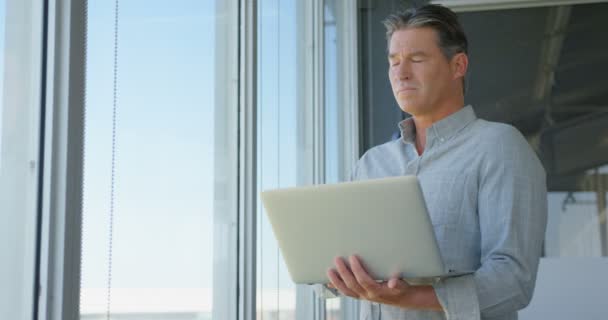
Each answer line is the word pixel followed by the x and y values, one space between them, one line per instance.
pixel 410 108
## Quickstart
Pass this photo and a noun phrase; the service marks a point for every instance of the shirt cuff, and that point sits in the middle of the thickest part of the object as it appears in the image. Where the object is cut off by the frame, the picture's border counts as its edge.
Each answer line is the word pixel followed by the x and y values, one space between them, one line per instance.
pixel 458 297
pixel 324 292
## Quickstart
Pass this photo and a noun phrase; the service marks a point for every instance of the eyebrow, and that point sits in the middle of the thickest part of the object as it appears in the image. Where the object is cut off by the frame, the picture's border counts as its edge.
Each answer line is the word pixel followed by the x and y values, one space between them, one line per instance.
pixel 415 53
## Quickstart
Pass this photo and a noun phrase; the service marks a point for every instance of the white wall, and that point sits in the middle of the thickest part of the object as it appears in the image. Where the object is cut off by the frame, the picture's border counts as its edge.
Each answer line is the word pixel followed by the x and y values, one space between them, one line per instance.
pixel 570 288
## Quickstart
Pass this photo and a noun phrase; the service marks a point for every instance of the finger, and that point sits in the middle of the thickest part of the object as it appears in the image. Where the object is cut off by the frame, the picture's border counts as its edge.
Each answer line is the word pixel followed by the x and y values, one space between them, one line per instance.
pixel 361 274
pixel 347 276
pixel 337 283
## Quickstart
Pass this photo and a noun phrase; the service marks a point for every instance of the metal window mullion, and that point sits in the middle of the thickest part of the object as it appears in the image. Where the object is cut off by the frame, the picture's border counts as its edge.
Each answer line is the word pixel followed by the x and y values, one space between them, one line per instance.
pixel 318 91
pixel 349 91
pixel 318 125
pixel 62 177
pixel 247 160
pixel 348 115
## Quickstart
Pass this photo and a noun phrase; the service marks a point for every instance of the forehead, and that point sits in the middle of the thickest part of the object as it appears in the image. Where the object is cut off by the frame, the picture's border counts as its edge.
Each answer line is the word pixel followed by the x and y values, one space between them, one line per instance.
pixel 414 40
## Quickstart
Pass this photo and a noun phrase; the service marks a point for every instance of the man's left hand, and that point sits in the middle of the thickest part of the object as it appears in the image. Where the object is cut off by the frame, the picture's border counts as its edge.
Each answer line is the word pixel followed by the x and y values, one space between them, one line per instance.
pixel 357 283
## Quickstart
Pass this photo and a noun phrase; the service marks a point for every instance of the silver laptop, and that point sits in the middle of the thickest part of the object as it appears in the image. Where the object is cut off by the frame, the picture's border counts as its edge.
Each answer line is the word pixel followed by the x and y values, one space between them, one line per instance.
pixel 384 221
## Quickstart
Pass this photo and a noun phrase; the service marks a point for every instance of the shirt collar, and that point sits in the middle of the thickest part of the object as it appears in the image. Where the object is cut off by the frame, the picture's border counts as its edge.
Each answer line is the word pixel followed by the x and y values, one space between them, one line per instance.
pixel 442 129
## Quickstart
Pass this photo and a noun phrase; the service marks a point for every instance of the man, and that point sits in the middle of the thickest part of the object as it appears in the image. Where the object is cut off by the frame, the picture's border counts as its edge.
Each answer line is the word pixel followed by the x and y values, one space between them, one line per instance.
pixel 484 186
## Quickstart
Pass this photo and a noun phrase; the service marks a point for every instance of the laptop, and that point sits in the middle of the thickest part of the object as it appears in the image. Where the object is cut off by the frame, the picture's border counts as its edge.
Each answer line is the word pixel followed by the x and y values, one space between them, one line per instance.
pixel 384 221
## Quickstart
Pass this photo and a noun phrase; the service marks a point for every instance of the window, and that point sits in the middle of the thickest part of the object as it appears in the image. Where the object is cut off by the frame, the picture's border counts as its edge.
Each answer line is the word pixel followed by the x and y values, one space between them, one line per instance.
pixel 159 212
pixel 280 148
pixel 158 235
pixel 340 110
pixel 20 119
pixel 306 84
pixel 577 218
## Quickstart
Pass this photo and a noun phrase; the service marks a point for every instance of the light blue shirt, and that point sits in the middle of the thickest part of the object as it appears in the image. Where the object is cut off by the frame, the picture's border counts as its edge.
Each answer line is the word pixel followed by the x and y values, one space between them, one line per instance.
pixel 486 194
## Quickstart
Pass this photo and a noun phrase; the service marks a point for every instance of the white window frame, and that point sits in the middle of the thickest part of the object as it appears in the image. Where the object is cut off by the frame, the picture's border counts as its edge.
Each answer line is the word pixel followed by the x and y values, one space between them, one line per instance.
pixel 20 130
pixel 226 153
pixel 482 5
pixel 349 89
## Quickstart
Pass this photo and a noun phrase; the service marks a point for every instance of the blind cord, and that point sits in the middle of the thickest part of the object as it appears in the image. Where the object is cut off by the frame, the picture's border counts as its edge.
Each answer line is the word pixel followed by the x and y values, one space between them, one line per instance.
pixel 113 170
pixel 84 150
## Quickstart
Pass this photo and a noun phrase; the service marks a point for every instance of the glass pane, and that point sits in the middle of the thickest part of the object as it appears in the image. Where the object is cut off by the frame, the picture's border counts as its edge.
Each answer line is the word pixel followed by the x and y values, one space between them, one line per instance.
pixel 159 187
pixel 20 117
pixel 577 219
pixel 277 142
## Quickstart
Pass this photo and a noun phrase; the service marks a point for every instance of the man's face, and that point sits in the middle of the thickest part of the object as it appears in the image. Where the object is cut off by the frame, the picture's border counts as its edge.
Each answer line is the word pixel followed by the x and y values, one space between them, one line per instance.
pixel 421 76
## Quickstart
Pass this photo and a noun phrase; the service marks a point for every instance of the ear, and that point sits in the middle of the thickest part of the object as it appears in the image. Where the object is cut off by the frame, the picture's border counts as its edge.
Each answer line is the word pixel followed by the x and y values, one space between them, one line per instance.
pixel 459 65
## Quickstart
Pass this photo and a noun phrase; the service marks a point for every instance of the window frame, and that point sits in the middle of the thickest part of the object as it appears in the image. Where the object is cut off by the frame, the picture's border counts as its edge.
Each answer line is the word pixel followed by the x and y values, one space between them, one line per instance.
pixel 226 153
pixel 59 278
pixel 22 102
pixel 247 179
pixel 60 241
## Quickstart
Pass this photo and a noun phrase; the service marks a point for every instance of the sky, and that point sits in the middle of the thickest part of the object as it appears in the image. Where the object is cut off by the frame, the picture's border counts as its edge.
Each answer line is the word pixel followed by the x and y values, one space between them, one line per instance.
pixel 2 27
pixel 162 233
pixel 163 208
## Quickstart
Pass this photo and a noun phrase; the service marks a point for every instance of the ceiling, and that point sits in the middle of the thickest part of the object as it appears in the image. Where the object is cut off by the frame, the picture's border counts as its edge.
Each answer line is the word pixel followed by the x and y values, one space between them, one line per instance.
pixel 538 67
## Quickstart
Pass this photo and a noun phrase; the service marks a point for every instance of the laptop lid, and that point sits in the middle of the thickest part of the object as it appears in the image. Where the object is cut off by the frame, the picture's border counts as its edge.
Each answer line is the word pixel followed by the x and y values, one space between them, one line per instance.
pixel 384 221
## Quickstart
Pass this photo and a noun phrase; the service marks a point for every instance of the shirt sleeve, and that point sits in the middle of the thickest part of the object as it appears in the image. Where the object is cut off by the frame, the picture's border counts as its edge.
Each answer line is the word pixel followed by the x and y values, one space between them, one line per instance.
pixel 512 209
pixel 458 298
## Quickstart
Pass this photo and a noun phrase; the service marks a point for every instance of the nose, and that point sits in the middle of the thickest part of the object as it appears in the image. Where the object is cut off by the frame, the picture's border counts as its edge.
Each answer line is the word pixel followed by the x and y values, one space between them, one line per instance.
pixel 401 71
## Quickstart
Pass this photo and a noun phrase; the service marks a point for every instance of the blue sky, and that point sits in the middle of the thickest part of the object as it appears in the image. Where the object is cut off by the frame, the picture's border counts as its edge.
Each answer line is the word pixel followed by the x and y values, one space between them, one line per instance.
pixel 163 233
pixel 164 143
pixel 164 174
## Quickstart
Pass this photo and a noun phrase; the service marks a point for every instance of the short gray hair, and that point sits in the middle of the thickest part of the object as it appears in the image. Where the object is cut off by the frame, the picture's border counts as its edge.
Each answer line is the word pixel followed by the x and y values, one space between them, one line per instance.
pixel 444 21
pixel 452 39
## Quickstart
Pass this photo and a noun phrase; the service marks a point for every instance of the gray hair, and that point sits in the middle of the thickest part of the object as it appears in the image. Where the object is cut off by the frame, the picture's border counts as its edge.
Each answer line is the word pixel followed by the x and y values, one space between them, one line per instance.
pixel 444 21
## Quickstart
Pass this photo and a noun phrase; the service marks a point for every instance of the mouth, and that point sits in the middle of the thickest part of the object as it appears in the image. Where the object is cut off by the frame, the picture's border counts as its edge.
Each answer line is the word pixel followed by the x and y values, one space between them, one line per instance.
pixel 405 90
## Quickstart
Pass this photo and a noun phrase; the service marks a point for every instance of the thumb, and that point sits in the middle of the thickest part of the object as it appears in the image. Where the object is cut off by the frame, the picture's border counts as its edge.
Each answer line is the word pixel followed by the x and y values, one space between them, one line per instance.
pixel 395 283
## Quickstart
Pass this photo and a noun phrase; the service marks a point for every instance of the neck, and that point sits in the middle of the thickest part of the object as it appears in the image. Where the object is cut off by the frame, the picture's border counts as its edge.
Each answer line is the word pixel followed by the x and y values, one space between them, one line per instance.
pixel 425 120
